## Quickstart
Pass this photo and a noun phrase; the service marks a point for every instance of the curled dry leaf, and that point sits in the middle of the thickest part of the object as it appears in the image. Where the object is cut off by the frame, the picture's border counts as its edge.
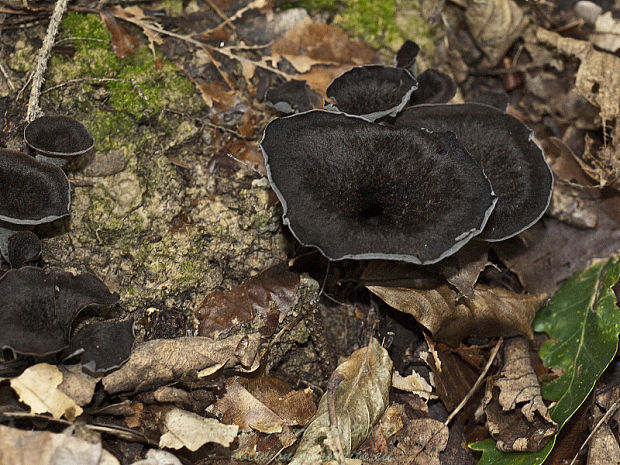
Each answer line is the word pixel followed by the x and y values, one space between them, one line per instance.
pixel 19 447
pixel 493 312
pixel 414 383
pixel 517 417
pixel 462 269
pixel 264 301
pixel 160 361
pixel 186 429
pixel 265 404
pixel 360 399
pixel 494 25
pixel 37 387
pixel 78 385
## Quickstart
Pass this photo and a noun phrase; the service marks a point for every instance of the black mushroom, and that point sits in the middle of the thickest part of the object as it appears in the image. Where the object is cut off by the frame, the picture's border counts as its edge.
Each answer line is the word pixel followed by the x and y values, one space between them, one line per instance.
pixel 510 158
pixel 372 91
pixel 292 97
pixel 23 247
pixel 31 193
pixel 407 55
pixel 356 189
pixel 433 87
pixel 57 139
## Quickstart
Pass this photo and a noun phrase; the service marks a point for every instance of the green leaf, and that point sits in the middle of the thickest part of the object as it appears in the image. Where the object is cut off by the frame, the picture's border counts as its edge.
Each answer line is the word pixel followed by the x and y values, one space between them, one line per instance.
pixel 583 323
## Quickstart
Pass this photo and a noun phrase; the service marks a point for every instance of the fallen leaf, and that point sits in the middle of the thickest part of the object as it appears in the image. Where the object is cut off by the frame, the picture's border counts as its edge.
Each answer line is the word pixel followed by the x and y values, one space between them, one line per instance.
pixel 493 312
pixel 37 387
pixel 414 383
pixel 421 441
pixel 158 457
pixel 517 417
pixel 462 269
pixel 606 34
pixel 265 404
pixel 160 361
pixel 604 449
pixel 186 429
pixel 19 447
pixel 263 301
pixel 603 165
pixel 598 76
pixel 262 449
pixel 78 385
pixel 494 25
pixel 123 43
pixel 214 92
pixel 360 399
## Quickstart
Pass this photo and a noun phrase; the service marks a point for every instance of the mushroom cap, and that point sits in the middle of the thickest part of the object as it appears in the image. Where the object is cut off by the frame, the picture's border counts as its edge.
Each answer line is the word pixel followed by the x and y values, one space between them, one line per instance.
pixel 58 136
pixel 433 87
pixel 371 92
pixel 407 55
pixel 23 247
pixel 292 97
pixel 31 192
pixel 355 189
pixel 504 147
pixel 38 308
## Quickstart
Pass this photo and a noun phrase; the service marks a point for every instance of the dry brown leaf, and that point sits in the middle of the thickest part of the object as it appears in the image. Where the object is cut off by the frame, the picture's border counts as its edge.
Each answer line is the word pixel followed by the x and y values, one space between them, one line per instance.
pixel 360 400
pixel 160 361
pixel 186 429
pixel 598 76
pixel 265 404
pixel 604 449
pixel 264 301
pixel 414 383
pixel 494 25
pixel 603 165
pixel 262 449
pixel 517 417
pixel 493 312
pixel 462 269
pixel 78 385
pixel 37 387
pixel 19 447
pixel 606 32
pixel 214 92
pixel 421 441
pixel 123 43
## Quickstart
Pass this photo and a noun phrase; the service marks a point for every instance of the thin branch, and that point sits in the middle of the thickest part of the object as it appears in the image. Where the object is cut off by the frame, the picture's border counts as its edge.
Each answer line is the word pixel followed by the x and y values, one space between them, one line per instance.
pixel 477 384
pixel 39 71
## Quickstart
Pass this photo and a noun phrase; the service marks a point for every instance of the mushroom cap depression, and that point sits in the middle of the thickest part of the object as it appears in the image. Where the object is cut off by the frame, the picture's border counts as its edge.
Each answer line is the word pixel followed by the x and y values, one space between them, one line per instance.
pixel 372 91
pixel 504 147
pixel 58 136
pixel 355 189
pixel 31 192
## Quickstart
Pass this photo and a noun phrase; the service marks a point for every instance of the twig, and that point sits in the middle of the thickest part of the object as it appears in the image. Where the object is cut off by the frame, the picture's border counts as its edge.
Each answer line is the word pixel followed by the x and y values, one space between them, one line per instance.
pixel 477 384
pixel 221 14
pixel 604 419
pixel 37 81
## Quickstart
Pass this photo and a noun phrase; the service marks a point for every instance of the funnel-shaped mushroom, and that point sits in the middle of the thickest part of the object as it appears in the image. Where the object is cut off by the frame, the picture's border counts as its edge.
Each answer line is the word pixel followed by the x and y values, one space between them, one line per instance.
pixel 355 189
pixel 371 92
pixel 57 139
pixel 23 247
pixel 504 147
pixel 407 55
pixel 292 97
pixel 433 87
pixel 31 193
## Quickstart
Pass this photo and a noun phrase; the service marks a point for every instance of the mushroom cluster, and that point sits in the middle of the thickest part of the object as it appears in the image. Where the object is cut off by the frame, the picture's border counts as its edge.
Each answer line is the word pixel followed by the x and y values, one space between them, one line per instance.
pixel 366 180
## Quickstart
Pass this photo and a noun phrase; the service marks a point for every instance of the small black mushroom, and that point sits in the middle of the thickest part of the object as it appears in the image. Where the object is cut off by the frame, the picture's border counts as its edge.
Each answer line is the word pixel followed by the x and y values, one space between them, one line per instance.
pixel 292 97
pixel 57 139
pixel 371 92
pixel 103 346
pixel 433 87
pixel 38 308
pixel 31 193
pixel 356 189
pixel 23 247
pixel 407 55
pixel 510 158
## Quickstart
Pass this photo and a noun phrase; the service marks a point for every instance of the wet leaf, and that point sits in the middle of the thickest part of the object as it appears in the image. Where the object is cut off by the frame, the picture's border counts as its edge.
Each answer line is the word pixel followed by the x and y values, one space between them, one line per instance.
pixel 264 301
pixel 360 399
pixel 186 429
pixel 583 323
pixel 160 361
pixel 493 311
pixel 265 404
pixel 123 43
pixel 19 447
pixel 37 387
pixel 494 25
pixel 517 417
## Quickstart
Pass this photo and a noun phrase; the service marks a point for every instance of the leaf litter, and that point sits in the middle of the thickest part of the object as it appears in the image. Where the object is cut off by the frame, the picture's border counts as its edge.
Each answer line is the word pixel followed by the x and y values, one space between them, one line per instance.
pixel 168 386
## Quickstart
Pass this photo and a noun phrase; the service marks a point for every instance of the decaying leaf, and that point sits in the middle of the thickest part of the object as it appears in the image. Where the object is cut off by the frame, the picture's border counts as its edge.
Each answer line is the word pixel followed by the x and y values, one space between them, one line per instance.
pixel 158 457
pixel 426 438
pixel 606 34
pixel 604 449
pixel 414 383
pixel 78 385
pixel 493 311
pixel 264 301
pixel 598 76
pixel 517 417
pixel 19 447
pixel 359 401
pixel 160 361
pixel 186 429
pixel 462 269
pixel 123 43
pixel 494 25
pixel 265 404
pixel 603 165
pixel 37 387
pixel 262 449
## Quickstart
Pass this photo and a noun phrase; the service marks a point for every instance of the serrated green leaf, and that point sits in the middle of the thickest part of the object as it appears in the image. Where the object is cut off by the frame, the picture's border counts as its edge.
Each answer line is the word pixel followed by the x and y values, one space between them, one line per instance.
pixel 583 323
